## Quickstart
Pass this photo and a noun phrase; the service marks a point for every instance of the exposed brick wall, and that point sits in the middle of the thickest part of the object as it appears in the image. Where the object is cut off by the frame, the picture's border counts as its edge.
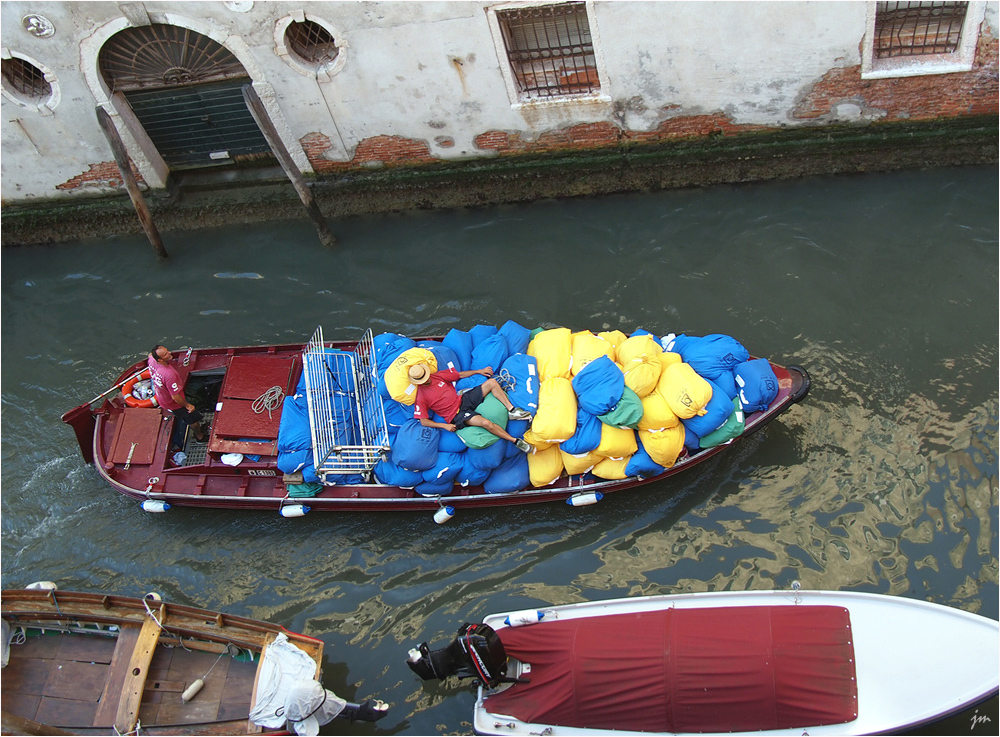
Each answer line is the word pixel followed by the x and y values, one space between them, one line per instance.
pixel 911 98
pixel 386 150
pixel 689 126
pixel 597 135
pixel 315 145
pixel 105 174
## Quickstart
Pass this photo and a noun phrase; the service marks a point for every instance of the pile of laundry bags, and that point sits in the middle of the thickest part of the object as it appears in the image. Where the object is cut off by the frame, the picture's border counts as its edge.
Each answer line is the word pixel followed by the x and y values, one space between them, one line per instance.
pixel 606 404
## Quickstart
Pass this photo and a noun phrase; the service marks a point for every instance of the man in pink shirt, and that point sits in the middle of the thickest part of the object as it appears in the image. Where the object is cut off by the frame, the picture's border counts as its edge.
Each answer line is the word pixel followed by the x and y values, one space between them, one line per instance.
pixel 436 394
pixel 169 390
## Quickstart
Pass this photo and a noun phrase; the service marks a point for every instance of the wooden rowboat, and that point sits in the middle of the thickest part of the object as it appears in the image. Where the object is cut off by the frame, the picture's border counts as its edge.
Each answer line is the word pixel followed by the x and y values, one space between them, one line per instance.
pixel 85 663
pixel 131 448
pixel 732 662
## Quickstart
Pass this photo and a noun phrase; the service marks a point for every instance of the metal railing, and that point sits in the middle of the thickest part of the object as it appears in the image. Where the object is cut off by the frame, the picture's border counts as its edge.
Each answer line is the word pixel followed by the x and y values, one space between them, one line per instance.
pixel 550 49
pixel 918 28
pixel 346 417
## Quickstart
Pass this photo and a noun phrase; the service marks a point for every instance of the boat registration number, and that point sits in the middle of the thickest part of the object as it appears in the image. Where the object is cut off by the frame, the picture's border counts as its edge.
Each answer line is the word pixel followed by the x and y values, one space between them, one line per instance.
pixel 261 472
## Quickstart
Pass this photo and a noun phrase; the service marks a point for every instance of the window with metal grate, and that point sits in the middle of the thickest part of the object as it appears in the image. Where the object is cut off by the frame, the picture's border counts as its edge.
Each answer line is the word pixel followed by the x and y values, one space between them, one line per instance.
pixel 918 28
pixel 311 42
pixel 25 80
pixel 550 50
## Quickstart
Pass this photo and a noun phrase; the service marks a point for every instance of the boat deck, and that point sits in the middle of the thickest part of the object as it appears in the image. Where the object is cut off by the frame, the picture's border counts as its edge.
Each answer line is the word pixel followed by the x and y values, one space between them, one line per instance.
pixel 75 682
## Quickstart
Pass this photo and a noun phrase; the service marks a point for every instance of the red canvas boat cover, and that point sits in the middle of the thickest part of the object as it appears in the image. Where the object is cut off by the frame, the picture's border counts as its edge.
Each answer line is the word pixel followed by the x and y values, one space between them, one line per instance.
pixel 727 669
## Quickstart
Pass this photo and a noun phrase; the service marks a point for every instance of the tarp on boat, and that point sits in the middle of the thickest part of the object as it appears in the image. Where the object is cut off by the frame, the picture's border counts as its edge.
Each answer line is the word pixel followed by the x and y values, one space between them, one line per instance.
pixel 726 669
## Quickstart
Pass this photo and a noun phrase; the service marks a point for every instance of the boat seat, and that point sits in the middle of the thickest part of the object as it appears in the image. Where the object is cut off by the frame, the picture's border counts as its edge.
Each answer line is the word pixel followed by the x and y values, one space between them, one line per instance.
pixel 135 437
pixel 135 676
pixel 107 708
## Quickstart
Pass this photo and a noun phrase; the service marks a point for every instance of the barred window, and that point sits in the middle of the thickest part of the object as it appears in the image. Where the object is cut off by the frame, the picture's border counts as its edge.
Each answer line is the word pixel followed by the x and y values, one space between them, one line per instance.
pixel 918 28
pixel 550 50
pixel 25 79
pixel 311 42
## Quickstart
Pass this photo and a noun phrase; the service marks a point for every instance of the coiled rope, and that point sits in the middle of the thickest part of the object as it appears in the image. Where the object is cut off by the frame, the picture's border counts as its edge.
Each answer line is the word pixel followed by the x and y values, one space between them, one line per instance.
pixel 506 381
pixel 269 400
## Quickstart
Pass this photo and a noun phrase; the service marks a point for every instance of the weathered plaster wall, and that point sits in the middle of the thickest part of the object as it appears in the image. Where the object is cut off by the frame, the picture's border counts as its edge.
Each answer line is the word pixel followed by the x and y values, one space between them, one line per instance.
pixel 418 82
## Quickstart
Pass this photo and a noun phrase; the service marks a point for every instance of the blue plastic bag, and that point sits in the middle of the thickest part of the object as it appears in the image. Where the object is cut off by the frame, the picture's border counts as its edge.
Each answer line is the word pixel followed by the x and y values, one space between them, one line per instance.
pixel 516 335
pixel 713 354
pixel 460 343
pixel 416 446
pixel 511 475
pixel 757 383
pixel 717 411
pixel 599 386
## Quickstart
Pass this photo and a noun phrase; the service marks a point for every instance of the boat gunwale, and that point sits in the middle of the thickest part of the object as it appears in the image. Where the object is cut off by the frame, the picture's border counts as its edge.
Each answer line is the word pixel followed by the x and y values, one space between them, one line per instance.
pixel 38 606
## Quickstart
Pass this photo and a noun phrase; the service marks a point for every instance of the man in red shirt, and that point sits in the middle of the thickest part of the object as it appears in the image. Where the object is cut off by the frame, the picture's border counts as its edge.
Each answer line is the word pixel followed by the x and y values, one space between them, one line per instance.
pixel 436 393
pixel 169 390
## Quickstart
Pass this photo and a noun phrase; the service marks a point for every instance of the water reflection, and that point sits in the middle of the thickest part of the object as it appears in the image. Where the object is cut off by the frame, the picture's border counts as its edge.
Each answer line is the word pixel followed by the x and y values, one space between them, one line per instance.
pixel 884 479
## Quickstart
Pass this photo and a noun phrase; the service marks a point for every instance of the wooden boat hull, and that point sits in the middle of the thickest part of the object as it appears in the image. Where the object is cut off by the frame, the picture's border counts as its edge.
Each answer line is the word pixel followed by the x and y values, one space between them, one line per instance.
pixel 915 661
pixel 95 663
pixel 131 447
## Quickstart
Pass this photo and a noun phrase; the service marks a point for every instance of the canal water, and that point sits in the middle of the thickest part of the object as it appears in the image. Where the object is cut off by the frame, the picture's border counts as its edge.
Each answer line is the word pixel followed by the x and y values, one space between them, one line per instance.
pixel 883 286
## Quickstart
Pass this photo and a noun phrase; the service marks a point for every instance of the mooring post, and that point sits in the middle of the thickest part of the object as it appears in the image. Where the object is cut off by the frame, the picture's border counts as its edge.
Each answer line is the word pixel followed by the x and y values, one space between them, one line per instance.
pixel 259 114
pixel 138 202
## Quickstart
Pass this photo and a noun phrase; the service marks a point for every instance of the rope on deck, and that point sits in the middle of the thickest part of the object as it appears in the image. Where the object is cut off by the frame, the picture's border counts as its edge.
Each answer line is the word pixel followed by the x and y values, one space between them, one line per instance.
pixel 269 400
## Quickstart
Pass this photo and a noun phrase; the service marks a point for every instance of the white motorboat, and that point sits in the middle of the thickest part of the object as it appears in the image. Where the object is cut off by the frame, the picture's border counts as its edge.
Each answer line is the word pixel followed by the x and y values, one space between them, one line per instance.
pixel 746 662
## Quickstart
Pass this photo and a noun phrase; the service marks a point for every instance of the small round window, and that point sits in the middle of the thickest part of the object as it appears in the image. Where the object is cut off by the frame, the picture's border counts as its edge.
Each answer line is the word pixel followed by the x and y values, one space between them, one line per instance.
pixel 311 42
pixel 25 81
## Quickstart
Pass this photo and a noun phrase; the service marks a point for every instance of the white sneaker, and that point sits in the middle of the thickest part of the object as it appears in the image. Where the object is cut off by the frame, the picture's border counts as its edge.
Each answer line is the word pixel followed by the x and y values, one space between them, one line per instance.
pixel 518 414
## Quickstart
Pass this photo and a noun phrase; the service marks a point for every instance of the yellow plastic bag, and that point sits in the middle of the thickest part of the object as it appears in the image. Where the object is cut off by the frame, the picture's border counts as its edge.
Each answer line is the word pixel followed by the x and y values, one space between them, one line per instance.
pixel 615 338
pixel 667 358
pixel 397 379
pixel 639 357
pixel 553 350
pixel 642 375
pixel 663 446
pixel 616 442
pixel 656 413
pixel 587 347
pixel 576 465
pixel 686 392
pixel 556 417
pixel 611 468
pixel 639 347
pixel 536 442
pixel 545 466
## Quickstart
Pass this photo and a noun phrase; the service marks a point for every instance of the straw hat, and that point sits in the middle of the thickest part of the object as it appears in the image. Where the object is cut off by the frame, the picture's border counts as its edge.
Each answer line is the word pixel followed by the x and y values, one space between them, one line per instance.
pixel 419 374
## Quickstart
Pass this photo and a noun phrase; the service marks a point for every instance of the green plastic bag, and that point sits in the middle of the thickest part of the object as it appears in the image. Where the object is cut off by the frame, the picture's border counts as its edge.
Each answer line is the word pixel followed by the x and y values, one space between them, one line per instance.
pixel 478 437
pixel 626 413
pixel 302 490
pixel 731 428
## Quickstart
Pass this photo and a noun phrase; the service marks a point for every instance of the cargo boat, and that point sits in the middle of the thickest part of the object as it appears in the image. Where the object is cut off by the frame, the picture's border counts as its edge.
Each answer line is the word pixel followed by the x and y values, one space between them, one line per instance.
pixel 131 446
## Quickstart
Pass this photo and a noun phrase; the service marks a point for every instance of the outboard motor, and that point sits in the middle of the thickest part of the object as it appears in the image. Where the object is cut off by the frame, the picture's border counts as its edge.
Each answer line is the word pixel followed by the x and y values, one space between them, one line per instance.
pixel 476 652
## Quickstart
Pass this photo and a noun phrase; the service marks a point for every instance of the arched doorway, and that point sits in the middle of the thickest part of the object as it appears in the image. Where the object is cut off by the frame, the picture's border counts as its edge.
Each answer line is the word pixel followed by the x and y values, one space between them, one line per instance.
pixel 186 91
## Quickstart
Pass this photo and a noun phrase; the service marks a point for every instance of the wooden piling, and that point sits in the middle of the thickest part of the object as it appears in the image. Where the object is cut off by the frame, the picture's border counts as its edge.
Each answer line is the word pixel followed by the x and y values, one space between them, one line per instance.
pixel 138 201
pixel 260 115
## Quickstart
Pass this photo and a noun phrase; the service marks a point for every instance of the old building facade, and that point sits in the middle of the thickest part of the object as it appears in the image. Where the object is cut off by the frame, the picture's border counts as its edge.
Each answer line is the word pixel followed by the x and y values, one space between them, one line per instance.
pixel 360 85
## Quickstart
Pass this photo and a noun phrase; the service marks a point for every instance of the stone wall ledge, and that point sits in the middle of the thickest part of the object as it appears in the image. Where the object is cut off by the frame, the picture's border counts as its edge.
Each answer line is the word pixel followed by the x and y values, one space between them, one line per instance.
pixel 210 199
